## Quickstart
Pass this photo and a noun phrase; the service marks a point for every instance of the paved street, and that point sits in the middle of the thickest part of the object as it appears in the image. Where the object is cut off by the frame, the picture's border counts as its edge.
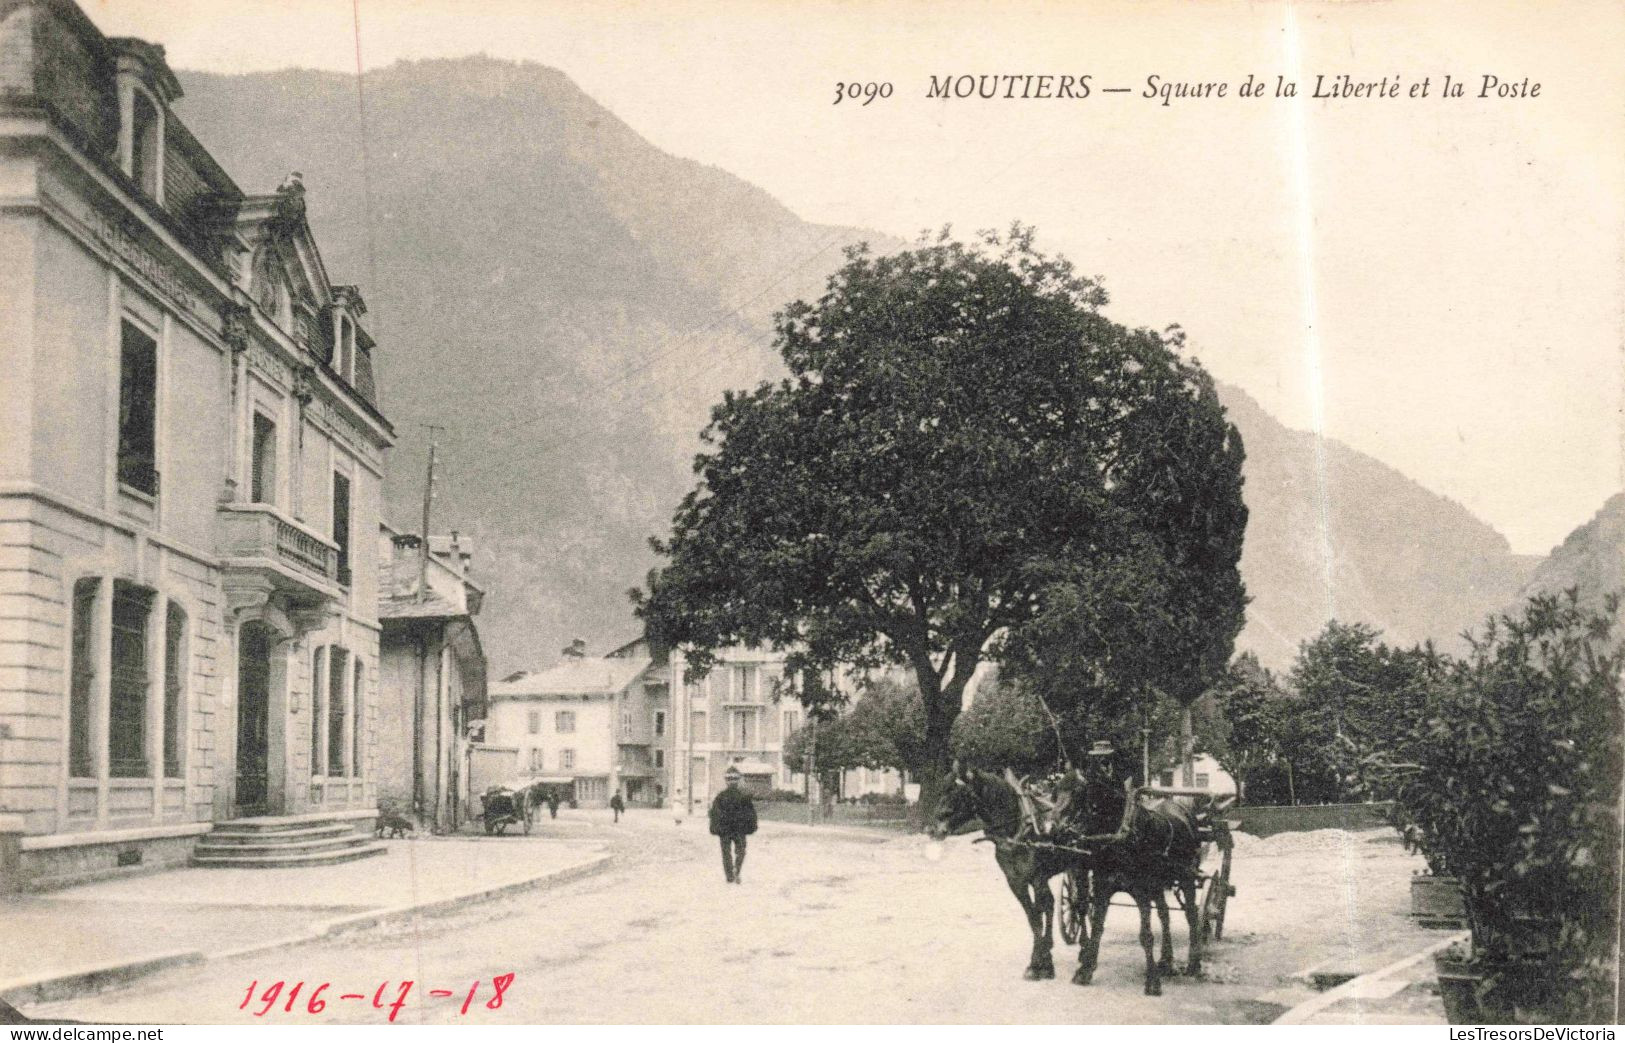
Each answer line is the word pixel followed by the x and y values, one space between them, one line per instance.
pixel 828 926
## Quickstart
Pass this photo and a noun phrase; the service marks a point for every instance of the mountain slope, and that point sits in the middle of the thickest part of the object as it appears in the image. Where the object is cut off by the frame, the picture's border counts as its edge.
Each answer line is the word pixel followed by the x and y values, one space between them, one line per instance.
pixel 565 300
pixel 1385 551
pixel 568 301
pixel 1591 558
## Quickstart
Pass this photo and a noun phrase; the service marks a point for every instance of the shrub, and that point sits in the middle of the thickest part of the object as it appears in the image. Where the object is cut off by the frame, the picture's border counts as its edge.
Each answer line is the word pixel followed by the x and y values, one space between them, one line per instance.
pixel 787 796
pixel 883 798
pixel 1506 775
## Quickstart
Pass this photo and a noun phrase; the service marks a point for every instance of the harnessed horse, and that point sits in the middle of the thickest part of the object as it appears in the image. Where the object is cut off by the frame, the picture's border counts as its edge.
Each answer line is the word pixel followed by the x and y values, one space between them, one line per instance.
pixel 1152 849
pixel 985 797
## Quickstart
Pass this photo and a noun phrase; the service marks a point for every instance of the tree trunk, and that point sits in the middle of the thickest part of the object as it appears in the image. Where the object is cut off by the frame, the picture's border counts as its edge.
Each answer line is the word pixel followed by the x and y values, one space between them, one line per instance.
pixel 933 774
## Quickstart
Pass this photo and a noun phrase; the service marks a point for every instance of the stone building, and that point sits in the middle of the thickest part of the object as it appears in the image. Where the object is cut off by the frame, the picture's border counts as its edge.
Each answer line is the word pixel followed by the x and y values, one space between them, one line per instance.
pixel 190 484
pixel 432 676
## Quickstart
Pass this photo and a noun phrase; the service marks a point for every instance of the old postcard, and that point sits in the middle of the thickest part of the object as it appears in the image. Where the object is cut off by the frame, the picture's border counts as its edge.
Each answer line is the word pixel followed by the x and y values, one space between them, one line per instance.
pixel 844 512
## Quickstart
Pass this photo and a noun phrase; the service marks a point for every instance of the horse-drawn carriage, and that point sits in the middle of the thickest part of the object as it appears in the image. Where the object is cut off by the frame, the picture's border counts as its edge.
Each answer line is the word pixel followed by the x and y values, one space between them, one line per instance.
pixel 511 804
pixel 1213 886
pixel 1101 839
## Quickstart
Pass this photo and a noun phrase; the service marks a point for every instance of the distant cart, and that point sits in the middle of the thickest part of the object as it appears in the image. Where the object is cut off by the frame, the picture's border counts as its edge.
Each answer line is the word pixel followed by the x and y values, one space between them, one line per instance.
pixel 509 804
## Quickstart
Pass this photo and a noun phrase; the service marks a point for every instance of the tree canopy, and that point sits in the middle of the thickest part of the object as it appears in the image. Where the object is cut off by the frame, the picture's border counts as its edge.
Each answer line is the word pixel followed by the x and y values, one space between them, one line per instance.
pixel 883 729
pixel 966 459
pixel 1245 733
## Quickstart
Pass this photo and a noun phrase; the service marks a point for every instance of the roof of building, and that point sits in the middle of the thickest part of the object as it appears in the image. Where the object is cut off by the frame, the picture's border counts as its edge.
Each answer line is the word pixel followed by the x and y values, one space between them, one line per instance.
pixel 574 677
pixel 408 607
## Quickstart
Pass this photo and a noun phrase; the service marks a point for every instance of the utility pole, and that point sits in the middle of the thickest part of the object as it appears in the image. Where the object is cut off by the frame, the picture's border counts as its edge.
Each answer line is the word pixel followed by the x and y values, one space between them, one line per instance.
pixel 689 724
pixel 814 790
pixel 1187 749
pixel 428 498
pixel 1145 748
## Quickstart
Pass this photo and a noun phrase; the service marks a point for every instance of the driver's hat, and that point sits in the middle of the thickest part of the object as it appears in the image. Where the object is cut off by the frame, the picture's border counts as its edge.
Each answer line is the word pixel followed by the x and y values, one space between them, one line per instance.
pixel 1101 749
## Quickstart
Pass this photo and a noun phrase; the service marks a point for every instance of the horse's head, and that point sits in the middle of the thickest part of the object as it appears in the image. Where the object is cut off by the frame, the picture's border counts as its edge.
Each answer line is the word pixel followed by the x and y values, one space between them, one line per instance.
pixel 957 808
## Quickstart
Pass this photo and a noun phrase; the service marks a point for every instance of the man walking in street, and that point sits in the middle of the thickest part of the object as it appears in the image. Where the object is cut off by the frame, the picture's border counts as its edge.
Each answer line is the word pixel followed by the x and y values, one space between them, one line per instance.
pixel 617 805
pixel 733 818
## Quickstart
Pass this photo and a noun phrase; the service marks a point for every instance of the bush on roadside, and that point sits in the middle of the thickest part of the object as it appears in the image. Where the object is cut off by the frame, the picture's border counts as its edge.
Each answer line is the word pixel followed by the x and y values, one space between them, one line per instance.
pixel 1506 775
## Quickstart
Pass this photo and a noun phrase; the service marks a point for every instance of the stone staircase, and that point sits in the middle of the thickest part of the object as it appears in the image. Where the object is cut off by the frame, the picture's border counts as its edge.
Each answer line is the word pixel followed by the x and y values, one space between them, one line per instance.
pixel 281 841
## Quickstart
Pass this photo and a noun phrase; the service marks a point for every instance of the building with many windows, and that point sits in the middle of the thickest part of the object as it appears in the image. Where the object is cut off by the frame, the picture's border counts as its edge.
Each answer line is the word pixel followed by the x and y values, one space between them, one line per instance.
pixel 592 726
pixel 190 486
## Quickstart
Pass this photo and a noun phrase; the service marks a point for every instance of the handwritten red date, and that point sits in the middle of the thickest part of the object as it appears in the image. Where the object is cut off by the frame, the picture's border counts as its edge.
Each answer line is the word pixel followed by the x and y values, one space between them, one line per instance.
pixel 287 995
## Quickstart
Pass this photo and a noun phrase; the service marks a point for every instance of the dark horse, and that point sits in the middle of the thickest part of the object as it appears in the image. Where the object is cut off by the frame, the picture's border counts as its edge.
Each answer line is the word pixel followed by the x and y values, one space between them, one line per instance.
pixel 980 795
pixel 1153 849
pixel 1134 859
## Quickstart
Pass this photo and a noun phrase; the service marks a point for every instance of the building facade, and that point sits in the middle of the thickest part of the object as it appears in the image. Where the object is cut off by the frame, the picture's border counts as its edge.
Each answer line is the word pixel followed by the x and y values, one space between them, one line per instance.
pixel 191 476
pixel 432 676
pixel 732 717
pixel 592 725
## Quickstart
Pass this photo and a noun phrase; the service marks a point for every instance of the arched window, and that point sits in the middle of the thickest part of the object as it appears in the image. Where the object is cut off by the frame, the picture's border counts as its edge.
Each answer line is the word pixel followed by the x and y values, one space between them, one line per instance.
pixel 175 661
pixel 357 761
pixel 81 759
pixel 338 663
pixel 130 682
pixel 318 683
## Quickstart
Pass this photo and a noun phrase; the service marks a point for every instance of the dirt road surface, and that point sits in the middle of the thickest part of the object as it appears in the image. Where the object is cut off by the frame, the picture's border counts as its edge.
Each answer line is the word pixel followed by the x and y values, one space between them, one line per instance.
pixel 828 926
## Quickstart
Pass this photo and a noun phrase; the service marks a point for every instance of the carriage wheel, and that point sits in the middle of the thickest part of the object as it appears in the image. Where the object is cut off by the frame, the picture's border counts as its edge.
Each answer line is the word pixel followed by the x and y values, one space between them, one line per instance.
pixel 1216 895
pixel 1207 920
pixel 1066 911
pixel 527 821
pixel 1073 912
pixel 1222 886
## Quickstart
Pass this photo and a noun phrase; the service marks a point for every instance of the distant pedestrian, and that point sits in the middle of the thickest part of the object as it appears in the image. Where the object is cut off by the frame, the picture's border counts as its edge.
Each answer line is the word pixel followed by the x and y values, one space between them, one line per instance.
pixel 733 818
pixel 553 803
pixel 617 805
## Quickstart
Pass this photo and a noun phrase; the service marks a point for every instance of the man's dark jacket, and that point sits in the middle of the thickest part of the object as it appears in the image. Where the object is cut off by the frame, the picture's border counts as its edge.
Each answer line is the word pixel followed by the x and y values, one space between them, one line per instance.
pixel 733 814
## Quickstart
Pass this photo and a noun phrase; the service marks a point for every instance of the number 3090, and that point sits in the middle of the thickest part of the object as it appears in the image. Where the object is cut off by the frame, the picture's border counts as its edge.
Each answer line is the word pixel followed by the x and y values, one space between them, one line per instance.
pixel 867 91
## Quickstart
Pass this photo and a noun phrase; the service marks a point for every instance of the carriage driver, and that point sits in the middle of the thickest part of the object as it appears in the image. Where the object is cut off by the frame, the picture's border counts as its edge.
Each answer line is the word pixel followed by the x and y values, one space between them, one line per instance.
pixel 1071 792
pixel 1097 785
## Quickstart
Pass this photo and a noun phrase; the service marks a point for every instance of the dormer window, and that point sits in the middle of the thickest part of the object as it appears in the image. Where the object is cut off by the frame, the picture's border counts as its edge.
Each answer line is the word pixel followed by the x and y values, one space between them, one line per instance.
pixel 145 87
pixel 344 347
pixel 141 137
pixel 146 130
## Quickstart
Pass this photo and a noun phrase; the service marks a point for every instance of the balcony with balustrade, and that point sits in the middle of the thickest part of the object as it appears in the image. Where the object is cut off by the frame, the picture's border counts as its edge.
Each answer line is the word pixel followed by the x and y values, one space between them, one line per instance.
pixel 258 539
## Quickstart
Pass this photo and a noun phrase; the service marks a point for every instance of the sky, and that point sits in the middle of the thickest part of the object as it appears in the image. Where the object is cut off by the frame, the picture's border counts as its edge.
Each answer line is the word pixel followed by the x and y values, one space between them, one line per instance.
pixel 1436 281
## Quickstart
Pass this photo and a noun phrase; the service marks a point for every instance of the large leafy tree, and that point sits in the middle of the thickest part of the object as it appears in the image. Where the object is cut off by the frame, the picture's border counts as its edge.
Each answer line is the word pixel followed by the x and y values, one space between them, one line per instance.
pixel 963 443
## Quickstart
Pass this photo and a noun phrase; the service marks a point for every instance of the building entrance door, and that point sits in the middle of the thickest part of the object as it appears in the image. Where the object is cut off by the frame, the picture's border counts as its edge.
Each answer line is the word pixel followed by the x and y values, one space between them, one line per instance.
pixel 253 719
